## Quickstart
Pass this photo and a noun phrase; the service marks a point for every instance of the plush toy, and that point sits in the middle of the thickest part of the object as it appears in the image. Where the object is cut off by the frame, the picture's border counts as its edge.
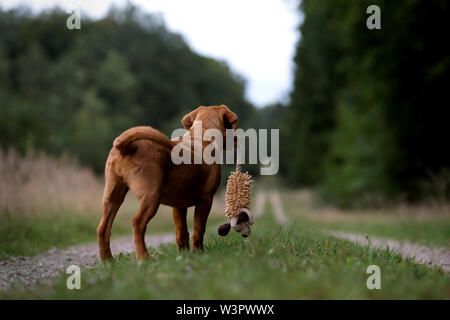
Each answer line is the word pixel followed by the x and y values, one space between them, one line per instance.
pixel 237 203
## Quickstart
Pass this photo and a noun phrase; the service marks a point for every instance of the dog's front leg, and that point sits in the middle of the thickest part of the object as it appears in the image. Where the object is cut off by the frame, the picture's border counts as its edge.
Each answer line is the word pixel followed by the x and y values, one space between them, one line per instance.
pixel 200 218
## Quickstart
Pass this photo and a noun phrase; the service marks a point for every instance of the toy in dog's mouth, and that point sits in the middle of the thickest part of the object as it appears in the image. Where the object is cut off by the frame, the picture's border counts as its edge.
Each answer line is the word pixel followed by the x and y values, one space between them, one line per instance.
pixel 240 223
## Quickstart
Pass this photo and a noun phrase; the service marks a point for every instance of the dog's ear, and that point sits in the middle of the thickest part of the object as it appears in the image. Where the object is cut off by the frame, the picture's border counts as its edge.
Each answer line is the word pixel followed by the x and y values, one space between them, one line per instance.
pixel 188 119
pixel 242 217
pixel 230 118
pixel 224 229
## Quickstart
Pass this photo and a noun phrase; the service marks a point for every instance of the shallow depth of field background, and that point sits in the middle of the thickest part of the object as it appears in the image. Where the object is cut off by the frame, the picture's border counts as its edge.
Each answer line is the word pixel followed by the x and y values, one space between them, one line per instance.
pixel 363 136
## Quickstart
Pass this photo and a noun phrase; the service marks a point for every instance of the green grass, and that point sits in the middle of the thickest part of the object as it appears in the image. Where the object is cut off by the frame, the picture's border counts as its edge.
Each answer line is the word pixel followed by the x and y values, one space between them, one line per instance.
pixel 26 235
pixel 294 262
pixel 273 263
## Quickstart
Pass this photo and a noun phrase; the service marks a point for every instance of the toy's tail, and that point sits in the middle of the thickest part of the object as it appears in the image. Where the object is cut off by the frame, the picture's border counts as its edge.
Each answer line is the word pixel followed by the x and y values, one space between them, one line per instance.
pixel 124 142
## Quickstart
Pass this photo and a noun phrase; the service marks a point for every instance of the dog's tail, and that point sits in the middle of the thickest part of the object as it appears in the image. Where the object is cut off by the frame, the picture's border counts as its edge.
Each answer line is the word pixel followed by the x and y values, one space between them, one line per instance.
pixel 124 142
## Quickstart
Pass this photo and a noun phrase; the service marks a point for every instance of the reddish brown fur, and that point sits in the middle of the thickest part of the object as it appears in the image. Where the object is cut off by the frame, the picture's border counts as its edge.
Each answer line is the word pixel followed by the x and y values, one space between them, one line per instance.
pixel 140 161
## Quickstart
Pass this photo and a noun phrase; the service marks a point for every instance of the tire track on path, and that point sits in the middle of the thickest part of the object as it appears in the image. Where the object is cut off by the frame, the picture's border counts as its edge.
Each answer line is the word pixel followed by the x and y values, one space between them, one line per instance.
pixel 421 254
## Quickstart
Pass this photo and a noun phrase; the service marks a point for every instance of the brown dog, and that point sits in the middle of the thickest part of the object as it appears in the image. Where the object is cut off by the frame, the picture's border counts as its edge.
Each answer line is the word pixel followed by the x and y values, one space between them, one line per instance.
pixel 140 161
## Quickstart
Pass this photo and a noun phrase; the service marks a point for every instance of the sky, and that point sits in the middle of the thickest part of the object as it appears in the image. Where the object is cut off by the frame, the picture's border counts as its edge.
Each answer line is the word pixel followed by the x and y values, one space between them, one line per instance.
pixel 256 38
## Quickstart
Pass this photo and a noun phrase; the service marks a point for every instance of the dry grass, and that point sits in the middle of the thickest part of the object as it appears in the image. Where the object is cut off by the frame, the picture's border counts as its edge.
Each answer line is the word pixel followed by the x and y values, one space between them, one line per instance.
pixel 35 182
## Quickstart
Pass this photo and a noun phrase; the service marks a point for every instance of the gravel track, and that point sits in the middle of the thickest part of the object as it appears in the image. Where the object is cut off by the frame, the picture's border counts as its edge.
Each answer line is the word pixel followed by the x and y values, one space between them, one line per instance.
pixel 31 269
pixel 429 256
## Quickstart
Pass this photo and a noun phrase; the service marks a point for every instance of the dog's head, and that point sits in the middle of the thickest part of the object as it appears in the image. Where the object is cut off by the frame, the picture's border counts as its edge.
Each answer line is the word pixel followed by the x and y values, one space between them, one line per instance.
pixel 212 117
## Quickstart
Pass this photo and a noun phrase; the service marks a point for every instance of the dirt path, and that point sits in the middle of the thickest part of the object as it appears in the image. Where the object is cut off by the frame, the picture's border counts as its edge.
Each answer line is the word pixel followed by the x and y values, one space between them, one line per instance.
pixel 29 270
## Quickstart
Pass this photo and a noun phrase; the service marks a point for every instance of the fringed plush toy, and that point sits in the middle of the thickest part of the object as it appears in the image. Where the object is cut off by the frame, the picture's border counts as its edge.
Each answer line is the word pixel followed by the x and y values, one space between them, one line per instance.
pixel 237 203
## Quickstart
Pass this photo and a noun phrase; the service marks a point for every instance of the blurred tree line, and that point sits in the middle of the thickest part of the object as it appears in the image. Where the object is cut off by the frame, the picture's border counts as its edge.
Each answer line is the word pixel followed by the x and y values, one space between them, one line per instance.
pixel 74 91
pixel 367 120
pixel 368 117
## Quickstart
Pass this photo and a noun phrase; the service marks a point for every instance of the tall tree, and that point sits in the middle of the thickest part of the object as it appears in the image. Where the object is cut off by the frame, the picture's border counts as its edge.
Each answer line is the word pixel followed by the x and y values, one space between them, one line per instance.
pixel 367 119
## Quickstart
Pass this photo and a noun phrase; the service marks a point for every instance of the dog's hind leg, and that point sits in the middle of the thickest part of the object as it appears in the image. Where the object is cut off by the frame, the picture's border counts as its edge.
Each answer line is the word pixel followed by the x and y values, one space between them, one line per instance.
pixel 201 214
pixel 147 210
pixel 113 197
pixel 181 229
